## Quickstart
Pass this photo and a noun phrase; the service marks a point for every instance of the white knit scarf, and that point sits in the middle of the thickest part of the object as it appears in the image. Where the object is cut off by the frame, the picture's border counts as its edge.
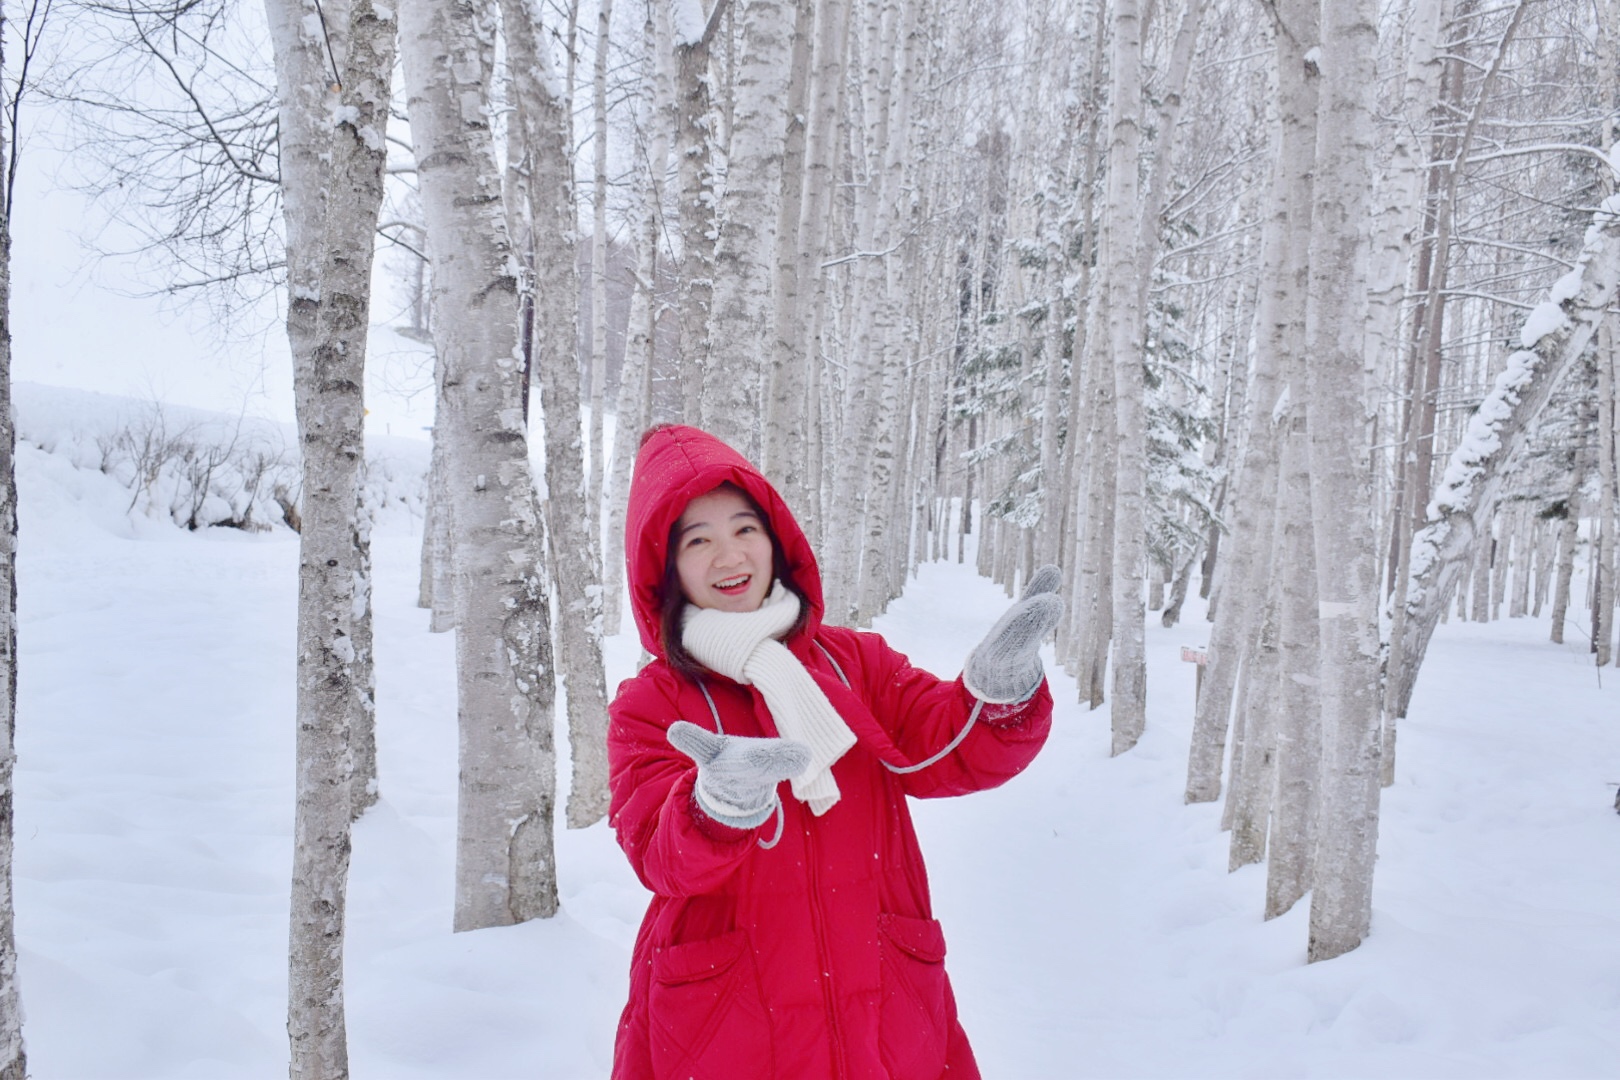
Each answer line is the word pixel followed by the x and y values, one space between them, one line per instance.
pixel 743 646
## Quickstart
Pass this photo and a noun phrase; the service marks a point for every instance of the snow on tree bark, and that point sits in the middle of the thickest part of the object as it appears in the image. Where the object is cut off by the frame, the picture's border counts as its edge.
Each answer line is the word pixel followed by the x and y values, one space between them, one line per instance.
pixel 542 117
pixel 1555 334
pixel 1341 477
pixel 505 867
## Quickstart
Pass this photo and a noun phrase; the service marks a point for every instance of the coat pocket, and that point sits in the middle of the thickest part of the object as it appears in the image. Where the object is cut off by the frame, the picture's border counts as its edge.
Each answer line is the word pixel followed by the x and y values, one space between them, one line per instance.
pixel 913 1019
pixel 707 1018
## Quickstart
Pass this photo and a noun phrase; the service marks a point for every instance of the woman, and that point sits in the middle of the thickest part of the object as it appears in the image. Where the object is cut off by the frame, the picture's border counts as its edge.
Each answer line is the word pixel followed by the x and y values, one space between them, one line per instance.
pixel 789 935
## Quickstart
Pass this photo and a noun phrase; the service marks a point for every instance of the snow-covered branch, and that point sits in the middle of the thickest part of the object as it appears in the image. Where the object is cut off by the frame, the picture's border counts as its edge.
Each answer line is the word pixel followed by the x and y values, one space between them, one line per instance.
pixel 1553 337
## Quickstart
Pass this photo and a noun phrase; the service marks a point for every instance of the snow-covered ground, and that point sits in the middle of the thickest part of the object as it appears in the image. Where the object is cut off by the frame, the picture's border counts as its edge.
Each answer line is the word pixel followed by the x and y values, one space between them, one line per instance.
pixel 1094 930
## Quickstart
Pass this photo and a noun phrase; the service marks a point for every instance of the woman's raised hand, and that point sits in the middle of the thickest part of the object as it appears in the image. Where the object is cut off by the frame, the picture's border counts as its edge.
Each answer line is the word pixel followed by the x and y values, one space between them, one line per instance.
pixel 737 775
pixel 1006 666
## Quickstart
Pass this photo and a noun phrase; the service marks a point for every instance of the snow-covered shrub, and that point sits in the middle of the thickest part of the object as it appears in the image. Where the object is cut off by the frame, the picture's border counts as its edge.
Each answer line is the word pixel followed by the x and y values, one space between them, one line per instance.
pixel 202 472
pixel 201 469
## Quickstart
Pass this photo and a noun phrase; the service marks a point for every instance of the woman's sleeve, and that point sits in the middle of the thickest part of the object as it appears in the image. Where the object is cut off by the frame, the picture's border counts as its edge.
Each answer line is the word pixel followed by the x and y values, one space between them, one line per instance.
pixel 923 713
pixel 674 847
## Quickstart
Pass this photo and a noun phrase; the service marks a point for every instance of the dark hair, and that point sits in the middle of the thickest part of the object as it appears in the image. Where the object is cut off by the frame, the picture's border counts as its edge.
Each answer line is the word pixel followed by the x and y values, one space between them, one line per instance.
pixel 672 600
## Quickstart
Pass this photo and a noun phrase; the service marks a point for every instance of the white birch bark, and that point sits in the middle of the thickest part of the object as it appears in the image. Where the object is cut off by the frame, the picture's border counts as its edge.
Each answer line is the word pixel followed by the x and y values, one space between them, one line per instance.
pixel 822 140
pixel 1290 864
pixel 595 460
pixel 505 869
pixel 364 784
pixel 1554 336
pixel 1523 559
pixel 745 256
pixel 1128 711
pixel 438 582
pixel 334 690
pixel 1083 386
pixel 1248 548
pixel 13 1055
pixel 315 1022
pixel 1568 532
pixel 891 331
pixel 635 381
pixel 695 152
pixel 1603 562
pixel 1094 590
pixel 1254 770
pixel 570 535
pixel 1507 522
pixel 1398 214
pixel 863 384
pixel 1346 562
pixel 786 407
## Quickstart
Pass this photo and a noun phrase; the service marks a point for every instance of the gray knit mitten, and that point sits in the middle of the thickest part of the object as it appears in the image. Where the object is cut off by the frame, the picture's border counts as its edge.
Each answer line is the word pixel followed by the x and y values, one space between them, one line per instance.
pixel 737 775
pixel 1006 666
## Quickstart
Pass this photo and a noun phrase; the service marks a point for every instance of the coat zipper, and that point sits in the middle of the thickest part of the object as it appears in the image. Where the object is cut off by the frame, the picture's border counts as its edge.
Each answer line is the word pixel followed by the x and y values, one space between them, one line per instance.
pixel 818 918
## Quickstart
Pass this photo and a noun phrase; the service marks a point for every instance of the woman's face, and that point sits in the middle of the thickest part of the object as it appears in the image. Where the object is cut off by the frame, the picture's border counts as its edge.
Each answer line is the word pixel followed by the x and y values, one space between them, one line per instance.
pixel 723 553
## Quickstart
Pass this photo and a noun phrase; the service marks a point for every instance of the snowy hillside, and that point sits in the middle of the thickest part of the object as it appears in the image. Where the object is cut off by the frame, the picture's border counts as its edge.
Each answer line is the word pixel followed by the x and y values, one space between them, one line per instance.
pixel 1093 928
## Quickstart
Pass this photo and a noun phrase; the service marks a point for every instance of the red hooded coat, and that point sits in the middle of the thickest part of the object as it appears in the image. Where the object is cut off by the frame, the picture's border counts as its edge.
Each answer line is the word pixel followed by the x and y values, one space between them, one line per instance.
pixel 817 958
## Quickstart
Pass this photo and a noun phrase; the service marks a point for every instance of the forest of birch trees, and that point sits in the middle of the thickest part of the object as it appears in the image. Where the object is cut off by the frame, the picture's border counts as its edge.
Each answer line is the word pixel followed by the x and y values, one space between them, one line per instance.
pixel 1297 305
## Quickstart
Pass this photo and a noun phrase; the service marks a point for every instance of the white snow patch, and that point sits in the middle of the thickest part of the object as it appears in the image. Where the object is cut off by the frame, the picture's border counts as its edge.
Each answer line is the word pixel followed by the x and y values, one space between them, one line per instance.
pixel 1567 287
pixel 1545 318
pixel 687 22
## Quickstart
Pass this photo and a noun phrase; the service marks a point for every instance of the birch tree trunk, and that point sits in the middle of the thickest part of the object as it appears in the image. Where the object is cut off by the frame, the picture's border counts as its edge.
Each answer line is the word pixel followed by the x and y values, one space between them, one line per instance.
pixel 1399 210
pixel 695 153
pixel 1603 565
pixel 505 869
pixel 1568 532
pixel 1346 562
pixel 333 635
pixel 542 117
pixel 1249 549
pixel 599 317
pixel 1094 580
pixel 1523 559
pixel 364 787
pixel 787 413
pixel 745 257
pixel 1290 864
pixel 822 139
pixel 1128 713
pixel 315 1022
pixel 1254 770
pixel 13 1056
pixel 439 583
pixel 641 350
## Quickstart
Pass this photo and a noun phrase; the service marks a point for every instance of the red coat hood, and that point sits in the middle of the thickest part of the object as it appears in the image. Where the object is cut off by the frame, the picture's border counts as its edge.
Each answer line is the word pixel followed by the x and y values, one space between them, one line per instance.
pixel 676 465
